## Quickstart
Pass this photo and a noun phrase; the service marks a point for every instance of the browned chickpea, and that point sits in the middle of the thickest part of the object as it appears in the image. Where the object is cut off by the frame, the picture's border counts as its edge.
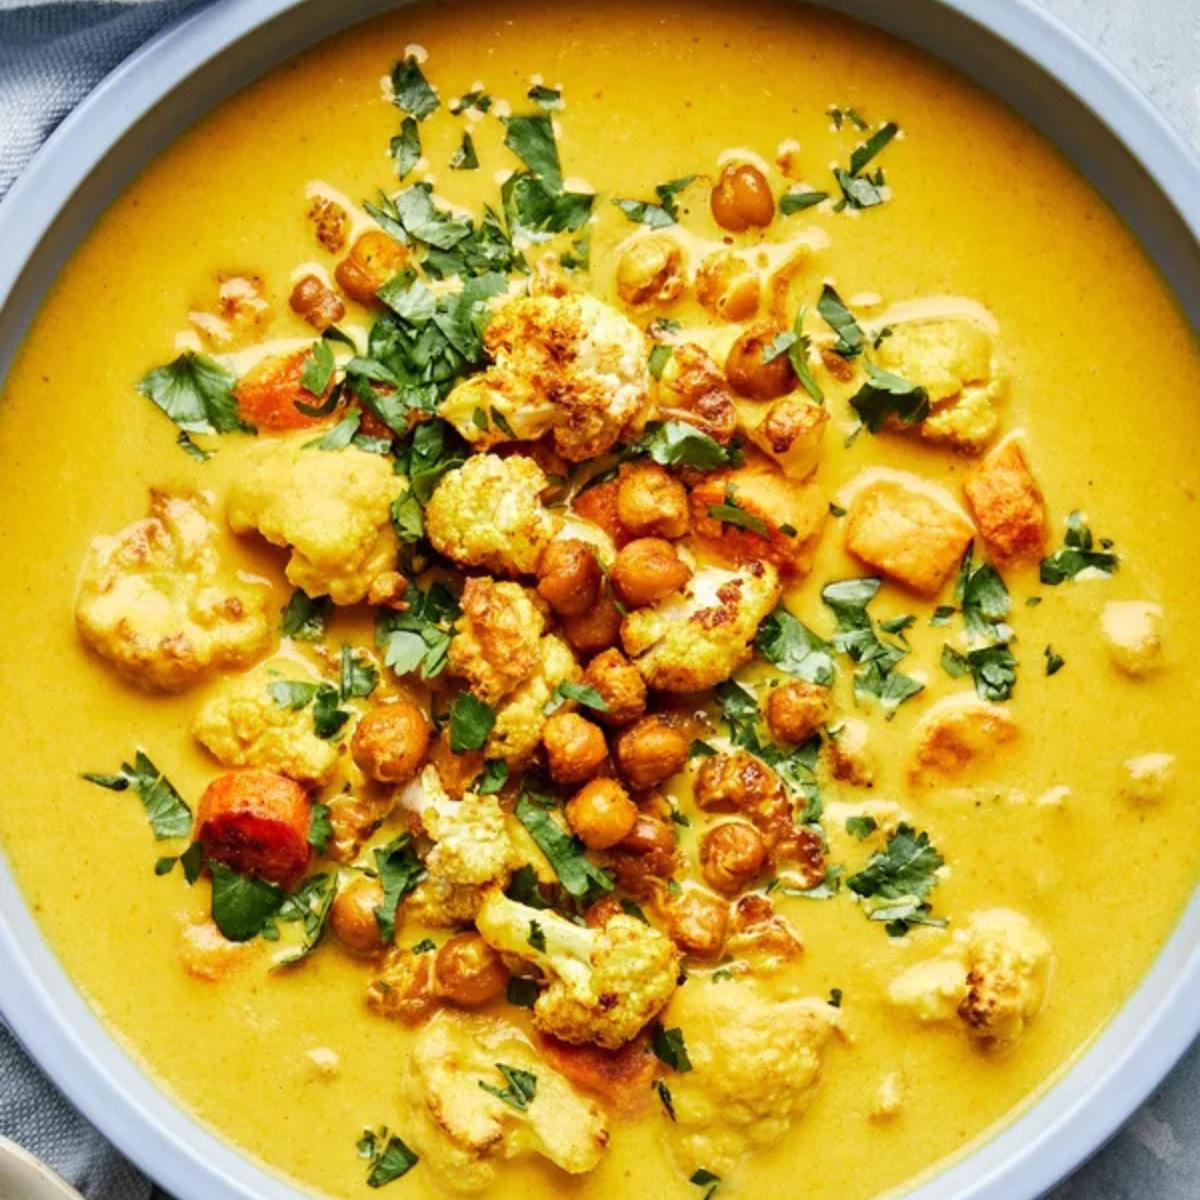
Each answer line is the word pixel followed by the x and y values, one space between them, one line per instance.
pixel 651 751
pixel 728 287
pixel 575 748
pixel 599 914
pixel 648 570
pixel 651 502
pixel 731 854
pixel 601 814
pixel 569 577
pixel 796 710
pixel 645 856
pixel 595 630
pixel 650 271
pixel 749 375
pixel 319 305
pixel 373 260
pixel 456 771
pixel 620 685
pixel 697 923
pixel 468 971
pixel 390 742
pixel 741 197
pixel 352 916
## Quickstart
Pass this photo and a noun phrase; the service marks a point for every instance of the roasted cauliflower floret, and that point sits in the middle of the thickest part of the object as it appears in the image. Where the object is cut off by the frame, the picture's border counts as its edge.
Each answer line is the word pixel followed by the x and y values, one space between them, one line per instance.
pixel 570 366
pixel 243 725
pixel 756 1065
pixel 154 601
pixel 1147 777
pixel 956 732
pixel 462 1130
pixel 788 429
pixel 522 716
pixel 1133 633
pixel 488 513
pixel 954 359
pixel 993 977
pixel 332 509
pixel 496 646
pixel 602 985
pixel 700 635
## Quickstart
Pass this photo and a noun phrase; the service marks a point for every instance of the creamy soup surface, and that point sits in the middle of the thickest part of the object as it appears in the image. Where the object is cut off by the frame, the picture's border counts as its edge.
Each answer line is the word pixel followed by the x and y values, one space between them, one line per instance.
pixel 682 691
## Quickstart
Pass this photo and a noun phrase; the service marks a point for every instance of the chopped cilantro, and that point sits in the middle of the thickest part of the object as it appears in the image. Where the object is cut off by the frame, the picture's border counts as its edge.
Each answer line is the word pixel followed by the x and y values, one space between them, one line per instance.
pixel 399 871
pixel 897 881
pixel 580 693
pixel 537 936
pixel 664 1094
pixel 1079 553
pixel 521 1089
pixel 660 355
pixel 794 202
pixel 790 645
pixel 545 97
pixel 320 828
pixel 1054 662
pixel 861 827
pixel 580 877
pixel 411 91
pixel 662 214
pixel 185 443
pixel 310 905
pixel 406 147
pixel 885 394
pixel 471 721
pixel 798 357
pixel 732 513
pixel 835 998
pixel 492 778
pixel 521 993
pixel 168 813
pixel 196 393
pixel 389 1157
pixel 242 905
pixel 841 320
pixel 678 444
pixel 418 638
pixel 465 158
pixel 669 1047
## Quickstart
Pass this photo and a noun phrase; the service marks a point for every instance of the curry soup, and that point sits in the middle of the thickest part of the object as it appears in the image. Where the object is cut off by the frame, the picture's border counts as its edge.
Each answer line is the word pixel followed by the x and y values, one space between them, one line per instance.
pixel 786 565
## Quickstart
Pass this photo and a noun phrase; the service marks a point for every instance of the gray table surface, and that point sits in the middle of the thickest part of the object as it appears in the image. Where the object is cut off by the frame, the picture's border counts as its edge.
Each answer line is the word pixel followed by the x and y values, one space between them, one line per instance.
pixel 1157 44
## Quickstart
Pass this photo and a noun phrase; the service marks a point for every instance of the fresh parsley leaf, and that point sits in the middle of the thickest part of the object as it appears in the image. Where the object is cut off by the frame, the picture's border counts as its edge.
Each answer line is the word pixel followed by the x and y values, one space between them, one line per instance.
pixel 660 355
pixel 318 368
pixel 545 97
pixel 669 1047
pixel 493 777
pixel 196 393
pixel 536 210
pixel 389 1157
pixel 732 513
pixel 790 645
pixel 798 357
pixel 662 214
pixel 408 518
pixel 479 101
pixel 678 444
pixel 359 676
pixel 993 668
pixel 840 319
pixel 320 829
pixel 1054 662
pixel 418 639
pixel 983 598
pixel 579 876
pixel 304 618
pixel 531 139
pixel 794 202
pixel 861 827
pixel 465 158
pixel 406 147
pixel 580 693
pixel 168 813
pixel 872 146
pixel 411 91
pixel 471 720
pixel 399 871
pixel 1079 553
pixel 242 904
pixel 521 993
pixel 897 881
pixel 521 1089
pixel 310 905
pixel 885 394
pixel 341 435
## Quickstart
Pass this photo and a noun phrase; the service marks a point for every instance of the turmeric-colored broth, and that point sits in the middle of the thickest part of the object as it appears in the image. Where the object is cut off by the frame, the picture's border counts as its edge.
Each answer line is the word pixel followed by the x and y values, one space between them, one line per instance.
pixel 980 208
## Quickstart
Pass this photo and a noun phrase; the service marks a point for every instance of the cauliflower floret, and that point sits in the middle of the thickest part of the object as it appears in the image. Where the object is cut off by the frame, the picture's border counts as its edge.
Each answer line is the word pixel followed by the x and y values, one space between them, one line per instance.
pixel 488 513
pixel 993 976
pixel 497 637
pixel 954 360
pixel 471 848
pixel 1133 631
pixel 570 365
pixel 702 634
pixel 957 731
pixel 1147 777
pixel 604 985
pixel 243 725
pixel 789 430
pixel 848 752
pixel 154 602
pixel 522 717
pixel 900 529
pixel 332 509
pixel 462 1131
pixel 889 1097
pixel 756 1065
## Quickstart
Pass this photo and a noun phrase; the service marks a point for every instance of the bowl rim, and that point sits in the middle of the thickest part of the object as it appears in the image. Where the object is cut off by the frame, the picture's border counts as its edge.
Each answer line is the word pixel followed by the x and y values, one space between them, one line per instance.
pixel 1076 1112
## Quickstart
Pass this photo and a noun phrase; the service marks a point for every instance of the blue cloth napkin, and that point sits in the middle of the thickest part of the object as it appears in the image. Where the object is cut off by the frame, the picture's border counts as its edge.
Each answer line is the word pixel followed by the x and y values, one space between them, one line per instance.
pixel 52 53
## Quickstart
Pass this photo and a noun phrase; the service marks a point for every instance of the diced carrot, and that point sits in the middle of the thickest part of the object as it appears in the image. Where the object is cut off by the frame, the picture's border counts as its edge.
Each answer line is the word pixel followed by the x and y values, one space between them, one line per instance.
pixel 599 505
pixel 268 393
pixel 256 823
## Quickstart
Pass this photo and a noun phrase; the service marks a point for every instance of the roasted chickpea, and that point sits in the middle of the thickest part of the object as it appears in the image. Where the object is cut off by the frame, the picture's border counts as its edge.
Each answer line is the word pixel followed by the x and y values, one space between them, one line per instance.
pixel 456 771
pixel 741 197
pixel 595 630
pixel 651 751
pixel 319 305
pixel 749 375
pixel 373 260
pixel 352 916
pixel 697 923
pixel 731 854
pixel 390 742
pixel 648 570
pixel 650 271
pixel 651 502
pixel 796 710
pixel 575 748
pixel 728 287
pixel 569 577
pixel 620 685
pixel 601 814
pixel 599 914
pixel 467 971
pixel 644 856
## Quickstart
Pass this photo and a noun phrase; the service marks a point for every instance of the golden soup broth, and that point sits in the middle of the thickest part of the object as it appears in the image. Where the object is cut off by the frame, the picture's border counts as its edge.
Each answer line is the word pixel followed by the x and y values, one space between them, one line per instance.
pixel 982 208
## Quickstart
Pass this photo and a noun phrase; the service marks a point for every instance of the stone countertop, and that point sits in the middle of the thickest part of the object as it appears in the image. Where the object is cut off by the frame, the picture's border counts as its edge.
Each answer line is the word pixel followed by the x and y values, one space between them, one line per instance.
pixel 1156 43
